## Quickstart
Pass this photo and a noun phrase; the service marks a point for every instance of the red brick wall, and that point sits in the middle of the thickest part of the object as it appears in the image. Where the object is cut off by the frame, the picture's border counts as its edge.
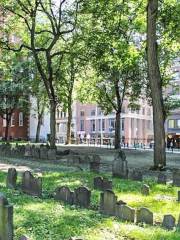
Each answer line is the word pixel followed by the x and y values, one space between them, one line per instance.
pixel 16 131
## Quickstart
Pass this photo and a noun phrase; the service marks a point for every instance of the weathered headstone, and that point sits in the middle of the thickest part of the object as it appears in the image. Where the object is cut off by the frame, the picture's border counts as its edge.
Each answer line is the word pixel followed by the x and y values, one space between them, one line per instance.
pixel 108 202
pixel 28 152
pixel 168 222
pixel 178 196
pixel 125 212
pixel 73 159
pixel 145 189
pixel 31 185
pixel 43 152
pixel 136 175
pixel 144 215
pixel 11 178
pixel 24 238
pixel 82 197
pixel 64 194
pixel 35 152
pixel 119 166
pixel 102 184
pixel 176 178
pixel 52 154
pixel 95 164
pixel 6 219
pixel 162 178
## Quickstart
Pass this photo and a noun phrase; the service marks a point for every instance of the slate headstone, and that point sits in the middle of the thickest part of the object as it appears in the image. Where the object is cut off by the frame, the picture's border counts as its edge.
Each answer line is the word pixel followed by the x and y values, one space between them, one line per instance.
pixel 120 165
pixel 11 178
pixel 102 184
pixel 145 190
pixel 144 215
pixel 6 219
pixel 162 178
pixel 28 152
pixel 176 178
pixel 82 197
pixel 95 163
pixel 136 175
pixel 168 222
pixel 108 202
pixel 43 152
pixel 64 194
pixel 31 185
pixel 125 212
pixel 52 154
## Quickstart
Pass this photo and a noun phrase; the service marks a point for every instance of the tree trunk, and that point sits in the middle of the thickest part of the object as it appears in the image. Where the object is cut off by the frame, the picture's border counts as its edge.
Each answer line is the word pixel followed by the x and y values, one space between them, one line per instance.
pixel 38 129
pixel 68 141
pixel 117 131
pixel 52 124
pixel 156 85
pixel 7 129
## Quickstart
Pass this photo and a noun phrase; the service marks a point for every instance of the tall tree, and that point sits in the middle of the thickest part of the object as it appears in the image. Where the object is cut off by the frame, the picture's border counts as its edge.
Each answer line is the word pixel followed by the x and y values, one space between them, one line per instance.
pixel 114 55
pixel 46 24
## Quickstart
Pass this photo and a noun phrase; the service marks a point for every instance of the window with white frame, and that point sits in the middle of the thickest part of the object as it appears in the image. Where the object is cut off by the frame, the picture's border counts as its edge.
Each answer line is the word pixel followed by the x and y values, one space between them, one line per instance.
pixel 13 120
pixel 93 125
pixel 20 119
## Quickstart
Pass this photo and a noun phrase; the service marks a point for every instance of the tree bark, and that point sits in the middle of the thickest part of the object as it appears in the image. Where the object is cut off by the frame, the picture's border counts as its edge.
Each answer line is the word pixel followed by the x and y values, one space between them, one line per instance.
pixel 38 129
pixel 68 141
pixel 155 85
pixel 53 123
pixel 7 129
pixel 117 131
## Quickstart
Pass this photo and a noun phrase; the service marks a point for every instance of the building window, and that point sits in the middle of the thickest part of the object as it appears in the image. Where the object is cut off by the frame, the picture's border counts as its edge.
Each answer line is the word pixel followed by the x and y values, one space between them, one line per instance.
pixel 13 120
pixel 58 113
pixel 99 124
pixel 123 110
pixel 58 127
pixel 111 124
pixel 93 113
pixel 171 123
pixel 103 124
pixel 82 113
pixel 93 126
pixel 178 123
pixel 81 125
pixel 149 112
pixel 149 124
pixel 20 119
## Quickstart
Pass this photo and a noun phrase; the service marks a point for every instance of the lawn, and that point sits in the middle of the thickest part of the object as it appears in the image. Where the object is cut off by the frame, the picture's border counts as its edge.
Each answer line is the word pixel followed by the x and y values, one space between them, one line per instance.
pixel 46 219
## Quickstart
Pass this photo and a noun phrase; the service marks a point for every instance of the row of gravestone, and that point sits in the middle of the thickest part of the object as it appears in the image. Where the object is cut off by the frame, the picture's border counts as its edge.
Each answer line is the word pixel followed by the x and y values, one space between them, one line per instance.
pixel 31 151
pixel 82 196
pixel 120 169
pixel 110 206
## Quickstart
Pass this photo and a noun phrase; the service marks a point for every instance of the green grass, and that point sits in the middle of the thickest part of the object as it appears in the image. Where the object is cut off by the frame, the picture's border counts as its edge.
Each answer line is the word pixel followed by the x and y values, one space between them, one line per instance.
pixel 45 219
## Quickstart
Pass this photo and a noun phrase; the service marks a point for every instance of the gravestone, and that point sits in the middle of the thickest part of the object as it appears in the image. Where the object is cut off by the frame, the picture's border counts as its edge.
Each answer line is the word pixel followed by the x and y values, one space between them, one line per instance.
pixel 31 185
pixel 162 178
pixel 108 202
pixel 6 219
pixel 28 152
pixel 178 196
pixel 144 215
pixel 85 159
pixel 24 238
pixel 176 178
pixel 35 152
pixel 119 166
pixel 178 224
pixel 136 175
pixel 82 197
pixel 145 189
pixel 64 194
pixel 11 178
pixel 73 159
pixel 125 212
pixel 52 154
pixel 95 163
pixel 43 152
pixel 102 184
pixel 168 222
